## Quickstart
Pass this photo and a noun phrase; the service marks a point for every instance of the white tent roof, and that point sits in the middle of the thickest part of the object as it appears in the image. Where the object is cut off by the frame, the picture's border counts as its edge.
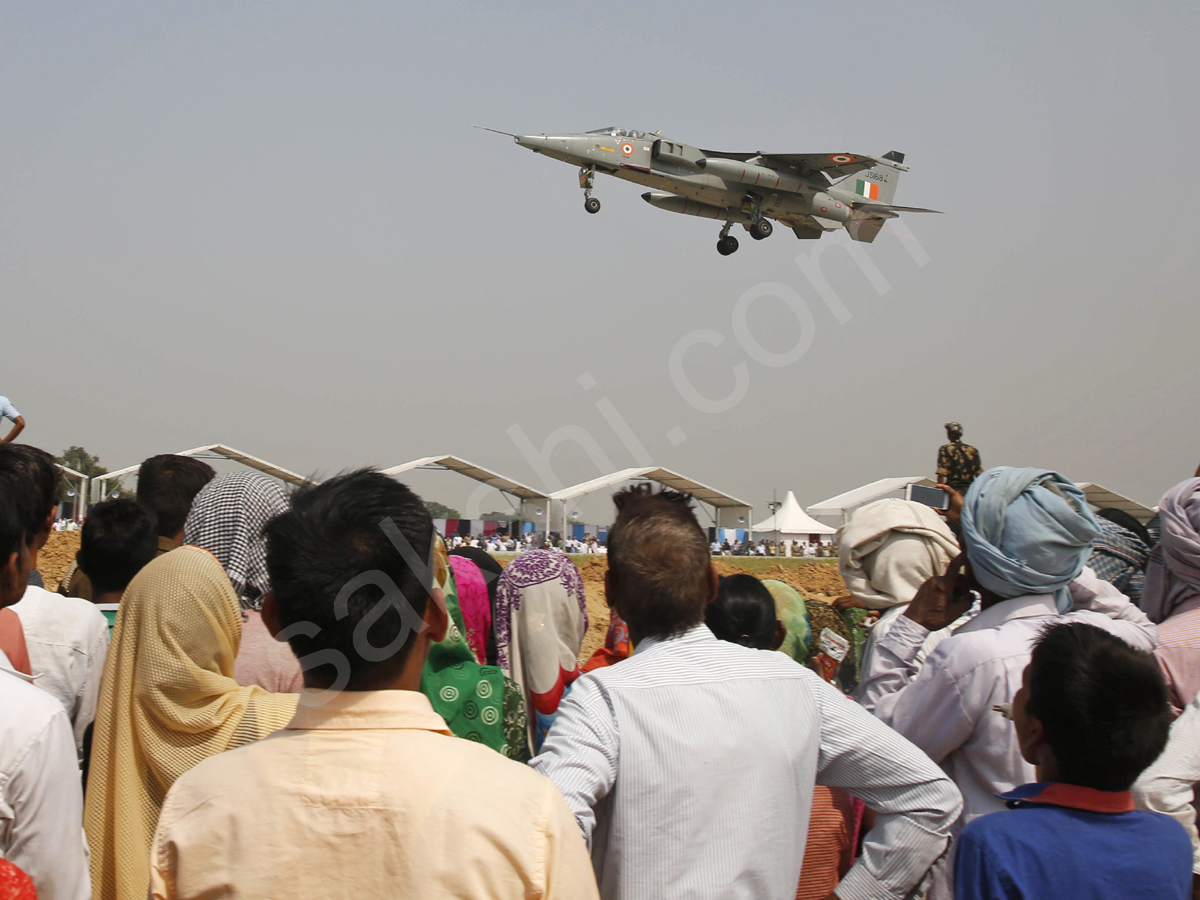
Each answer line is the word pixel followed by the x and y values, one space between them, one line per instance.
pixel 666 477
pixel 1102 498
pixel 791 518
pixel 838 508
pixel 479 473
pixel 209 451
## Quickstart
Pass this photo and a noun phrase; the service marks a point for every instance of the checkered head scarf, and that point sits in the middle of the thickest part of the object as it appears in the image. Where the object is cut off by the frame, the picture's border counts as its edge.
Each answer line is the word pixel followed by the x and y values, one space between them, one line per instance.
pixel 227 520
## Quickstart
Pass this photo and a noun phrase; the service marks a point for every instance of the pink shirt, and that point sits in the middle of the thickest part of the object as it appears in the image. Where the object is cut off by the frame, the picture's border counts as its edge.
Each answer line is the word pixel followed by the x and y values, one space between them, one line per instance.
pixel 1178 653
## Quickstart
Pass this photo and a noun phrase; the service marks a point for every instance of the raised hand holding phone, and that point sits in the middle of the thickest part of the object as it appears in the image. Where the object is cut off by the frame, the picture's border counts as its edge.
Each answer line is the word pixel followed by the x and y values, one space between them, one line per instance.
pixel 943 598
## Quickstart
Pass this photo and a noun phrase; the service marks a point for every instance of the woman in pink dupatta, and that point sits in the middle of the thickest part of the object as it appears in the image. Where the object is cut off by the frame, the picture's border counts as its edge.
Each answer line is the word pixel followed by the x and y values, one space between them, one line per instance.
pixel 475 604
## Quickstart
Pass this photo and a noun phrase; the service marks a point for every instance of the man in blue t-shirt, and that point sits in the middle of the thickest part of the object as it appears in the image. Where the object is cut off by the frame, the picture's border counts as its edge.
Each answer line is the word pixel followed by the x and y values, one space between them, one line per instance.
pixel 8 411
pixel 1091 714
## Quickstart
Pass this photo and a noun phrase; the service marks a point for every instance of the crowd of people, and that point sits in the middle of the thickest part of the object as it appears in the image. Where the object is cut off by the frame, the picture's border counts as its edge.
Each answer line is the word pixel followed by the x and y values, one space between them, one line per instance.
pixel 313 695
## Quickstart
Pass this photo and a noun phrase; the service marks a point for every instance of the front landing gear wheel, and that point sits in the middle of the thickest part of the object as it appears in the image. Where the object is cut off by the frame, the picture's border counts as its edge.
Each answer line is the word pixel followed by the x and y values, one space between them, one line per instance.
pixel 592 205
pixel 761 229
pixel 727 245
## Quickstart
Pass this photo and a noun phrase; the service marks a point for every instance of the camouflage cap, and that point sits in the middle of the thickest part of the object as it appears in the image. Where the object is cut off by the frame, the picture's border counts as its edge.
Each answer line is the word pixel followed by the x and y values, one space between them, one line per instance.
pixel 954 426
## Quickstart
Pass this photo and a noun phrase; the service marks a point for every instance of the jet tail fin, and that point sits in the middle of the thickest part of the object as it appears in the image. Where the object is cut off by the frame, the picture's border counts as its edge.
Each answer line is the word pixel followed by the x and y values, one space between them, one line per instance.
pixel 878 183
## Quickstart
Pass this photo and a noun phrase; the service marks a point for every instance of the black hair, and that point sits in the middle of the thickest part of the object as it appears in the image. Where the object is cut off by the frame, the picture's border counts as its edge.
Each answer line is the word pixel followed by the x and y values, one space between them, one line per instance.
pixel 743 613
pixel 168 484
pixel 1128 522
pixel 1104 705
pixel 490 567
pixel 659 558
pixel 335 564
pixel 37 471
pixel 119 538
pixel 14 516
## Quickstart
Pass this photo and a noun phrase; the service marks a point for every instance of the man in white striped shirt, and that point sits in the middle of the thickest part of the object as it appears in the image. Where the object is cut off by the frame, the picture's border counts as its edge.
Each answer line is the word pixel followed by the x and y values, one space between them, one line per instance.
pixel 690 766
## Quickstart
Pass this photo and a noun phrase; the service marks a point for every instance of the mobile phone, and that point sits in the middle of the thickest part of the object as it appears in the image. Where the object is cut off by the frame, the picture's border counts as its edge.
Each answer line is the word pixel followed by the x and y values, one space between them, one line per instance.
pixel 930 496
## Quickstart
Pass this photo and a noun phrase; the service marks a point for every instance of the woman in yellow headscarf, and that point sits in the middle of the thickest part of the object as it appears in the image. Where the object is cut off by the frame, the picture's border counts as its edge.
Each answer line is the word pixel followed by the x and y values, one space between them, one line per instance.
pixel 168 701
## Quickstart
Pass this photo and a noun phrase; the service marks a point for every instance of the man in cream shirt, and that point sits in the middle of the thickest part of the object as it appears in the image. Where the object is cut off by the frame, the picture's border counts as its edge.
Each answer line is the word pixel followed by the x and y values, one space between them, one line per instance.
pixel 365 793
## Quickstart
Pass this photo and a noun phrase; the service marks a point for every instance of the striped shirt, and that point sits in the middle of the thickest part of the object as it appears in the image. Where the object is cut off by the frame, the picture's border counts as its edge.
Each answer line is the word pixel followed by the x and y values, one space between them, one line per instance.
pixel 690 767
pixel 1178 653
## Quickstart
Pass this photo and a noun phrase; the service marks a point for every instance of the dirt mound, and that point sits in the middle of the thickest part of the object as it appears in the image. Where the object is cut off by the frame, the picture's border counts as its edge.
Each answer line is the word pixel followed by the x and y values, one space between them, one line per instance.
pixel 818 582
pixel 57 557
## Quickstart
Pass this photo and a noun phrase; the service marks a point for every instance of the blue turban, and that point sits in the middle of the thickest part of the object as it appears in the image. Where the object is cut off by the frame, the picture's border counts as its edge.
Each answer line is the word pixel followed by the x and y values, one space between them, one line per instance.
pixel 1027 531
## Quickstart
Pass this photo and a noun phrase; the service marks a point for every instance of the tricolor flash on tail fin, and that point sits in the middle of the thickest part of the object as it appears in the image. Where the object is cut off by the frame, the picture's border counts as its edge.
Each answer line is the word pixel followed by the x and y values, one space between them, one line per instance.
pixel 879 183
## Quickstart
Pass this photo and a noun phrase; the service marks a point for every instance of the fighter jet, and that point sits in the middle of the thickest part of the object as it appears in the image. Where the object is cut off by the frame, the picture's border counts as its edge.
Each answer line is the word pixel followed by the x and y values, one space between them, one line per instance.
pixel 811 193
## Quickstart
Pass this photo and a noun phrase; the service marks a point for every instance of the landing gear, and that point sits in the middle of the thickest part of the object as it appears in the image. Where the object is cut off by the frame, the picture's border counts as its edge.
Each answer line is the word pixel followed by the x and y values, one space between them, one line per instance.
pixel 761 229
pixel 587 176
pixel 727 243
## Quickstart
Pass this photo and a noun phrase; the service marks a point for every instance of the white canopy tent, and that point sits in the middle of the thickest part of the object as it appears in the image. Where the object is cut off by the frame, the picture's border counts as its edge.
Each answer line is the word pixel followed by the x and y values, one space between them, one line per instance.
pixel 99 489
pixel 1102 498
pixel 727 511
pixel 836 511
pixel 791 523
pixel 534 505
pixel 80 498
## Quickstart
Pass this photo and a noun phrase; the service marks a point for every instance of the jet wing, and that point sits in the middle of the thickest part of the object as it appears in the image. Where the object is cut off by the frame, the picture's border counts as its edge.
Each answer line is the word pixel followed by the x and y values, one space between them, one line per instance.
pixel 835 165
pixel 887 207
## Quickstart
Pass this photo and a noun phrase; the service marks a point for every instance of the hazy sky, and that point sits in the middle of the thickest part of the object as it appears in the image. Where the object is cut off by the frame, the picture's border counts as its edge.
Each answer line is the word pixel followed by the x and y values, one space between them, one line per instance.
pixel 272 226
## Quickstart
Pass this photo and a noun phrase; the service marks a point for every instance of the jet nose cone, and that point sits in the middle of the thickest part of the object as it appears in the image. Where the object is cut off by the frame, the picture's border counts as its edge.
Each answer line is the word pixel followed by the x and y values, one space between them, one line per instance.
pixel 533 141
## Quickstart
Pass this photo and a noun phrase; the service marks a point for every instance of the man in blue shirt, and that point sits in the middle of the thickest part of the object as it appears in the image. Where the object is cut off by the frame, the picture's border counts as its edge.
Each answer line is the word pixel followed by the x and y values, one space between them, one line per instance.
pixel 8 411
pixel 1091 714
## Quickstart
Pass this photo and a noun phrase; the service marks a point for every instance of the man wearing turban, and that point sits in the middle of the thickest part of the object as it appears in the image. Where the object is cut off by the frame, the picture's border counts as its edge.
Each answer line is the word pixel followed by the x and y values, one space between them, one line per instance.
pixel 1027 534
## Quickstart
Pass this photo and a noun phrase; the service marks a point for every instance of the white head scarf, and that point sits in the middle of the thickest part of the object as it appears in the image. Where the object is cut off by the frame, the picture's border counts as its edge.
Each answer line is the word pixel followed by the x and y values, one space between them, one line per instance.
pixel 891 547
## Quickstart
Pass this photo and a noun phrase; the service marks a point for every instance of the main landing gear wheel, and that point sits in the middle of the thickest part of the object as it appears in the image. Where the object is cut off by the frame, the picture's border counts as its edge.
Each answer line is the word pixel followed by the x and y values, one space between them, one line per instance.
pixel 761 229
pixel 592 205
pixel 727 245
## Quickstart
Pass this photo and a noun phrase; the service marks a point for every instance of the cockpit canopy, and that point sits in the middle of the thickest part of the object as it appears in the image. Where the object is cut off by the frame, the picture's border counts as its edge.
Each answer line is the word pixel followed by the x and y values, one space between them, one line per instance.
pixel 619 132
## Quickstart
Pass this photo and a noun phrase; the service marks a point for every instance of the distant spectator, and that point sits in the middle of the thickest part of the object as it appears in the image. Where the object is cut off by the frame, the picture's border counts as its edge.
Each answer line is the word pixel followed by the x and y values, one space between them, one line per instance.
pixel 1172 593
pixel 8 411
pixel 167 485
pixel 227 519
pixel 67 637
pixel 119 538
pixel 1120 552
pixel 1091 714
pixel 40 792
pixel 958 464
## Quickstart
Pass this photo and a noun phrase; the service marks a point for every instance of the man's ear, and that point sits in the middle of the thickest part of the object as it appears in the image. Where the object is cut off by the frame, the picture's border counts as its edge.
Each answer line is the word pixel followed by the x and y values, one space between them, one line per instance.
pixel 270 614
pixel 14 576
pixel 436 618
pixel 712 582
pixel 780 634
pixel 1032 740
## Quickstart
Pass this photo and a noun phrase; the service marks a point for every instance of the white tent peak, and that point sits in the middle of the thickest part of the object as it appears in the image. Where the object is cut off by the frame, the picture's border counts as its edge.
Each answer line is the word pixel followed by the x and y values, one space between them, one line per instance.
pixel 791 519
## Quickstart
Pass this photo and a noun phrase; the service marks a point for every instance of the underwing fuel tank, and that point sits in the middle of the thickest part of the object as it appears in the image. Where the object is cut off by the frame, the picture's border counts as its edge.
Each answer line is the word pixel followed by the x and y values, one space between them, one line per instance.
pixel 751 175
pixel 676 204
pixel 802 200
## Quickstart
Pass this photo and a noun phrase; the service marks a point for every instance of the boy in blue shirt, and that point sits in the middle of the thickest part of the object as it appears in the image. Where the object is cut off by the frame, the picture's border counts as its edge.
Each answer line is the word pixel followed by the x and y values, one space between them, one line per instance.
pixel 1091 714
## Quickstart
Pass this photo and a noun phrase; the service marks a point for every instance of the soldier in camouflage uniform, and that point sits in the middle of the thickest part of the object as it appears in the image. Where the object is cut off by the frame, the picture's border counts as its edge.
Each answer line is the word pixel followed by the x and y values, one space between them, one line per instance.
pixel 958 464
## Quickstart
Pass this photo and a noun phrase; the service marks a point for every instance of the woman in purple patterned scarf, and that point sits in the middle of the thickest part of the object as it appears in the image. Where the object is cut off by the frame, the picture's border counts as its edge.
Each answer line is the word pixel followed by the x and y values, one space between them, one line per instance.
pixel 541 618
